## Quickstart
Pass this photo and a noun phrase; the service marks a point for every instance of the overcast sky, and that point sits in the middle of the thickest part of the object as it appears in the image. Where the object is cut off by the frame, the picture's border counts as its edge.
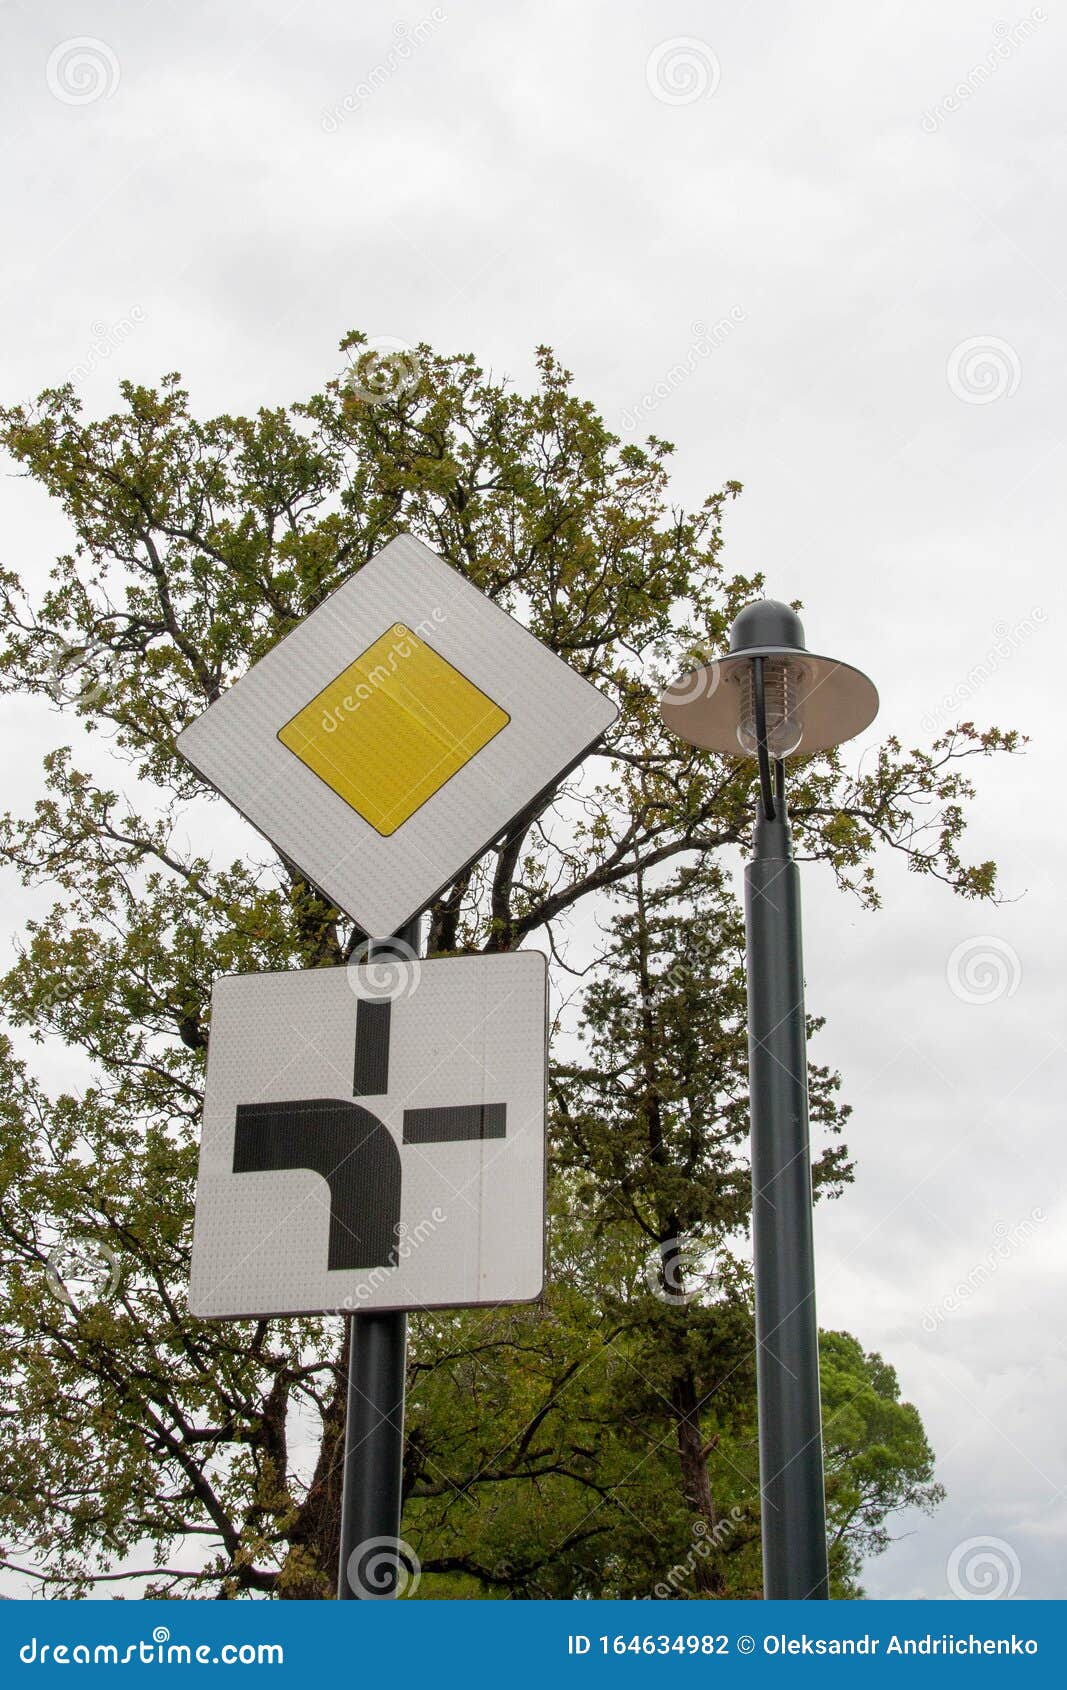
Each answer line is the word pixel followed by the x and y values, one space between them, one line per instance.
pixel 822 250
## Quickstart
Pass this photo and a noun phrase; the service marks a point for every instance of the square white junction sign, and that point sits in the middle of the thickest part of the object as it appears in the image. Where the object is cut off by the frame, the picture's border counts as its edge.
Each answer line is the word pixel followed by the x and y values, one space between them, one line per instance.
pixel 374 1138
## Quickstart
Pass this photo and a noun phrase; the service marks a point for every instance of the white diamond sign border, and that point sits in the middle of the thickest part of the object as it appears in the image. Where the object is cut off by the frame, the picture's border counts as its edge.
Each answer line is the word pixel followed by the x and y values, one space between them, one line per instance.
pixel 555 718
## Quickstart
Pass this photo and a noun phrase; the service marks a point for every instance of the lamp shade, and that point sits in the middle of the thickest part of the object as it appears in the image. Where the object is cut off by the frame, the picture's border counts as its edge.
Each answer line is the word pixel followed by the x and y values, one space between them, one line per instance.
pixel 829 701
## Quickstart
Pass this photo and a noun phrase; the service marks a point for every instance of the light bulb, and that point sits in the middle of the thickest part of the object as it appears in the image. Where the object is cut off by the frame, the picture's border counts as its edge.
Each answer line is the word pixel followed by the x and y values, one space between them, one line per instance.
pixel 785 729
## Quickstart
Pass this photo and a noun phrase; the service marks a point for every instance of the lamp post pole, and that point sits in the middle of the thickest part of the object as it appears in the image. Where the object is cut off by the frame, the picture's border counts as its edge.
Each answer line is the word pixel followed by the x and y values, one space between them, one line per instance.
pixel 770 698
pixel 787 1334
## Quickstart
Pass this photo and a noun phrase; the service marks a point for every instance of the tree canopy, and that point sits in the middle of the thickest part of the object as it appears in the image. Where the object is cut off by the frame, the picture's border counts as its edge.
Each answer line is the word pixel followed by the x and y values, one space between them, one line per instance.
pixel 600 1441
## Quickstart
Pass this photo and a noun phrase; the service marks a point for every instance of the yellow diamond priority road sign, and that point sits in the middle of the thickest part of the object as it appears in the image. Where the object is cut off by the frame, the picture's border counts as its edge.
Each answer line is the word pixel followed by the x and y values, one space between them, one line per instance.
pixel 392 728
pixel 395 733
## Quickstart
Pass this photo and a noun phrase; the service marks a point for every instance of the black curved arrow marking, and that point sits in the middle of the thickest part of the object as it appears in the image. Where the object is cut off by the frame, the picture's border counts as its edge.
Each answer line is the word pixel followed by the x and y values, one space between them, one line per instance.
pixel 352 1151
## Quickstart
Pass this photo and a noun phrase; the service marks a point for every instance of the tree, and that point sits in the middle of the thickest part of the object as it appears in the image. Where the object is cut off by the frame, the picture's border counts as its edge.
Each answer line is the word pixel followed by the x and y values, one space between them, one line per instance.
pixel 196 545
pixel 878 1460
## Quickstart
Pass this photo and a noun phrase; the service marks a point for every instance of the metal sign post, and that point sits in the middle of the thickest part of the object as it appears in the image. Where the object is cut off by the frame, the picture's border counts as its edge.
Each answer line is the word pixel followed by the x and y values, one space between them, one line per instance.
pixel 372 1486
pixel 372 1495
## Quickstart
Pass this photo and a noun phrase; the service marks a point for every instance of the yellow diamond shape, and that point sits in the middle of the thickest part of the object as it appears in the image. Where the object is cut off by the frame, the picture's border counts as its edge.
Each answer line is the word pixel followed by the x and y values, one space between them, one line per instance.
pixel 392 728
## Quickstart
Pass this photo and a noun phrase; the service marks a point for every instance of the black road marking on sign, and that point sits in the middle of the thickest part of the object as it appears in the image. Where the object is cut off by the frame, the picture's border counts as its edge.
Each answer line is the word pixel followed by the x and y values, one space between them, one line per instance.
pixel 456 1121
pixel 351 1149
pixel 354 1153
pixel 371 1076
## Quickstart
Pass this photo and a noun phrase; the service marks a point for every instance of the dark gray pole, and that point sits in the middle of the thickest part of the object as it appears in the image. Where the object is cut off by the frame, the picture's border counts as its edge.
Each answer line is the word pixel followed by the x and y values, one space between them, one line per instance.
pixel 374 1452
pixel 369 1567
pixel 787 1336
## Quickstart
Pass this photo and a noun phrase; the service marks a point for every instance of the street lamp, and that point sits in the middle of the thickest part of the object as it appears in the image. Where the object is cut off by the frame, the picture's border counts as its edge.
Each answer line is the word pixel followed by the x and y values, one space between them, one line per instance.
pixel 771 699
